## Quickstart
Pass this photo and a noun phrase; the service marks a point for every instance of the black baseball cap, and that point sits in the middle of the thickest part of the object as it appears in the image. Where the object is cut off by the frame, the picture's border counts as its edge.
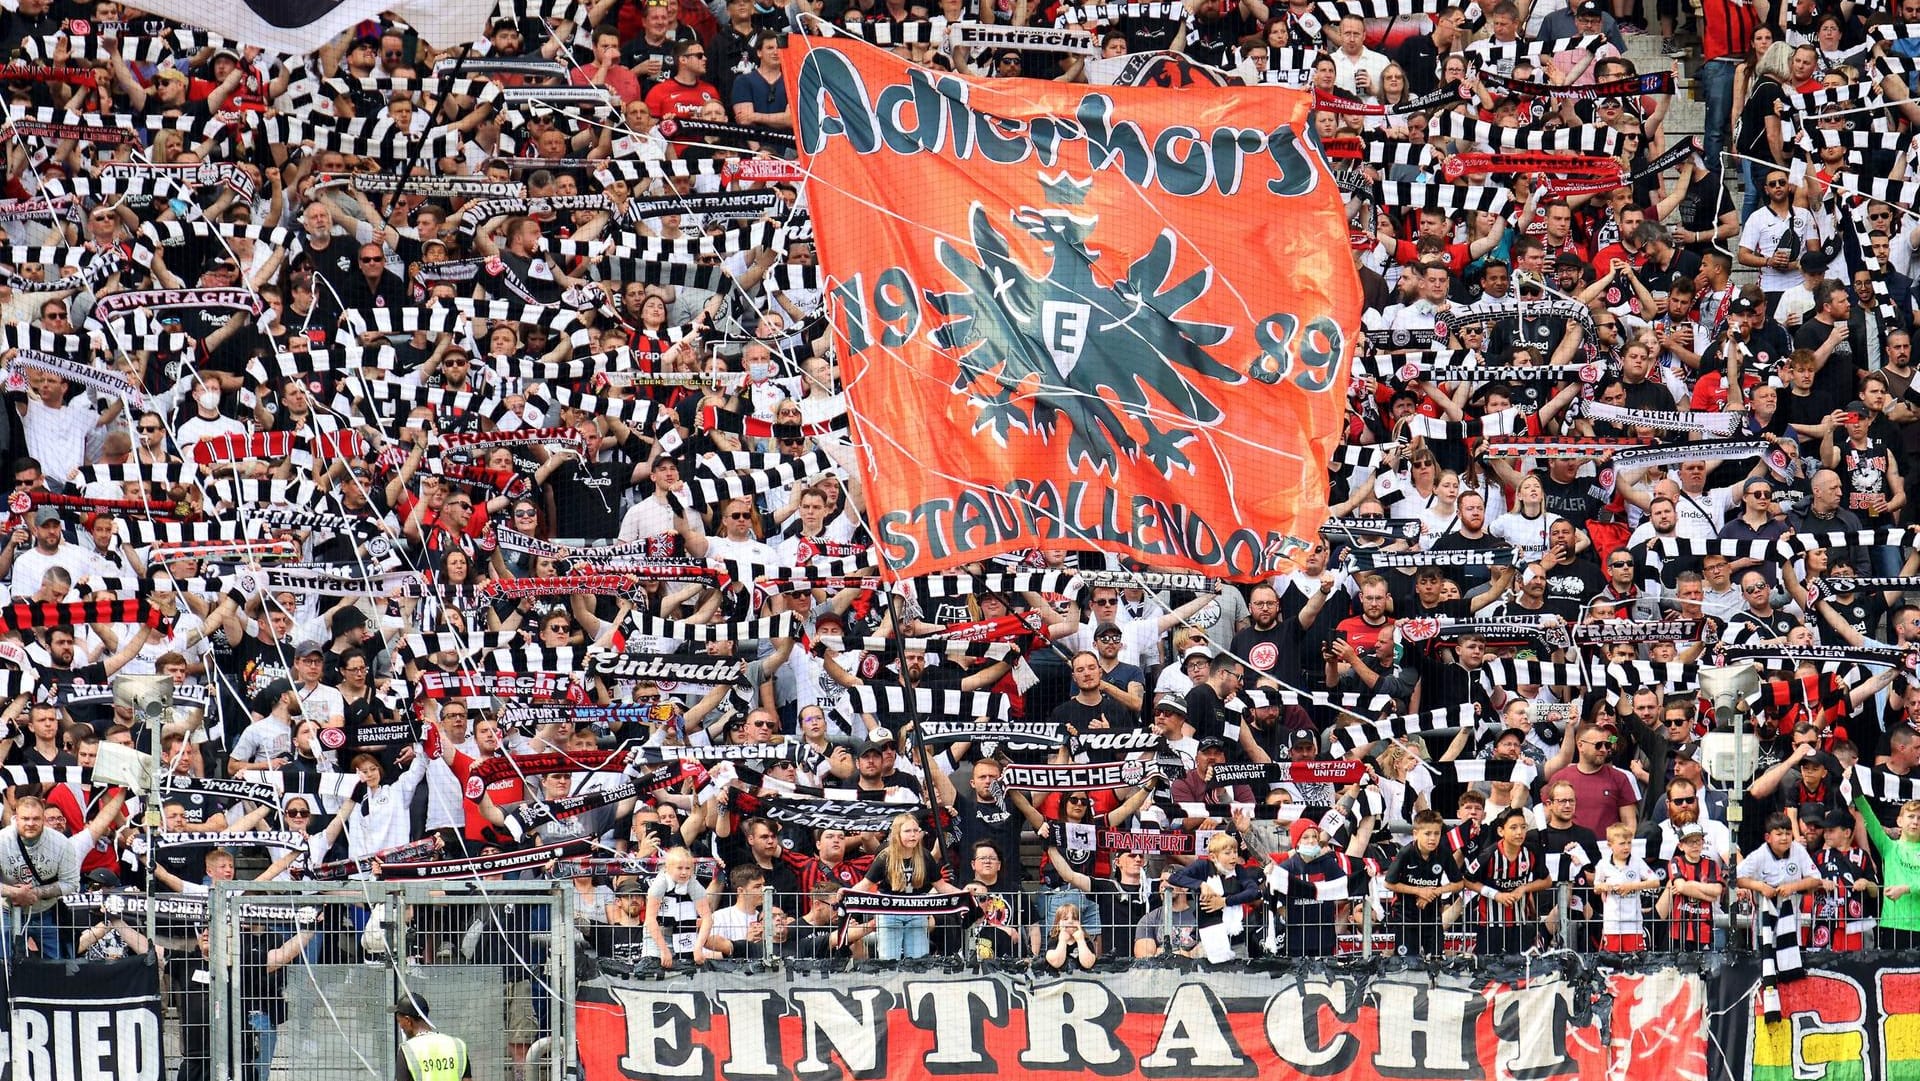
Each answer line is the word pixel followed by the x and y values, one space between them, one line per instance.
pixel 410 1006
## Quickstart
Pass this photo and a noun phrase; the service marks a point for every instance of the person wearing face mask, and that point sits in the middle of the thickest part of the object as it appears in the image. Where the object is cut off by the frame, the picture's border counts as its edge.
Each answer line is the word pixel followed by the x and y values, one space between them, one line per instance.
pixel 207 420
pixel 1312 924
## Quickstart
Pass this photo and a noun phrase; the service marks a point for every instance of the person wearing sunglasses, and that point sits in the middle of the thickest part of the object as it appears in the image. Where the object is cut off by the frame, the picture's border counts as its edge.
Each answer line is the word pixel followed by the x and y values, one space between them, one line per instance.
pixel 736 536
pixel 1766 621
pixel 1606 793
pixel 1776 236
pixel 688 89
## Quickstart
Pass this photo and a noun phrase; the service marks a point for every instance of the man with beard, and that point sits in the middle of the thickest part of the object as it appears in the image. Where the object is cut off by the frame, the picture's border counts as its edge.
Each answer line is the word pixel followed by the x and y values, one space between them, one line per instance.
pixel 1206 701
pixel 1272 646
pixel 1690 602
pixel 1091 708
pixel 1607 793
pixel 1121 682
pixel 1297 589
pixel 1364 629
pixel 1561 836
pixel 1662 523
pixel 1470 535
pixel 1622 593
pixel 1683 808
pixel 1377 671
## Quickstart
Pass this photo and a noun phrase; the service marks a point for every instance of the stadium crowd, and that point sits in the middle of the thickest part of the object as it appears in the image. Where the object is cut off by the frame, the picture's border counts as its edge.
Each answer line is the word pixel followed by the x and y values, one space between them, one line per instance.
pixel 470 453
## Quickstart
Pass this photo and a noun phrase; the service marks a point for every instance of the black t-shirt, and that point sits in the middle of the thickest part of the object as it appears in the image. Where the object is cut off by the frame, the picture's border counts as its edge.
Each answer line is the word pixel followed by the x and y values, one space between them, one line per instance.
pixel 1211 40
pixel 1767 98
pixel 1777 625
pixel 1864 473
pixel 1574 582
pixel 260 663
pixel 1541 333
pixel 1150 35
pixel 638 51
pixel 1274 652
pixel 622 944
pixel 1863 613
pixel 1121 906
pixel 1647 395
pixel 262 988
pixel 1079 845
pixel 192 983
pixel 1801 409
pixel 335 263
pixel 1833 384
pixel 1469 577
pixel 25 754
pixel 1204 711
pixel 1575 501
pixel 1766 349
pixel 97 714
pixel 1411 868
pixel 1699 212
pixel 998 823
pixel 517 277
pixel 1081 716
pixel 586 497
pixel 388 292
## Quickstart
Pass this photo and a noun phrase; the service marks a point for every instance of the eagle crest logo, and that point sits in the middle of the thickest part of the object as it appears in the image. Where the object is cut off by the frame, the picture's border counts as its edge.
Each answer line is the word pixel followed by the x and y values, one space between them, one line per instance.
pixel 1110 356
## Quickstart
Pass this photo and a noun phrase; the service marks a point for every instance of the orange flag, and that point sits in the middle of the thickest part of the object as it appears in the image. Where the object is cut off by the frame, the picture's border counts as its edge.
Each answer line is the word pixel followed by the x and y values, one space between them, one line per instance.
pixel 1072 316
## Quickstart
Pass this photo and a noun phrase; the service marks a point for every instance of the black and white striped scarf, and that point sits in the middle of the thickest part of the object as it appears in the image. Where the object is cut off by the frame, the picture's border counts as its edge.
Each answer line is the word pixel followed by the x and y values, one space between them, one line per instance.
pixel 750 630
pixel 893 700
pixel 1351 737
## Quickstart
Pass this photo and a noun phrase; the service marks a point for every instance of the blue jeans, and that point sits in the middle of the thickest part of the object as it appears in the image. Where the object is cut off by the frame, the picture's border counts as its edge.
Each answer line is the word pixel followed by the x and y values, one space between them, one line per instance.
pixel 1886 560
pixel 1052 901
pixel 1716 81
pixel 1751 176
pixel 262 1037
pixel 39 927
pixel 901 937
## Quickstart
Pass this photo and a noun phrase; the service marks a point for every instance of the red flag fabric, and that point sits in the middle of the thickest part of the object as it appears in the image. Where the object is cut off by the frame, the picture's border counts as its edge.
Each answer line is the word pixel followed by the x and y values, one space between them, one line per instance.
pixel 1098 318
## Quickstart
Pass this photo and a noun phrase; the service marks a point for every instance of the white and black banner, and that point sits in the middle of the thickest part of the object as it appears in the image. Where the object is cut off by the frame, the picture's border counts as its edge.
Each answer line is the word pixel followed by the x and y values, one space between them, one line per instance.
pixel 661 667
pixel 1099 776
pixel 1036 38
pixel 98 1019
pixel 852 815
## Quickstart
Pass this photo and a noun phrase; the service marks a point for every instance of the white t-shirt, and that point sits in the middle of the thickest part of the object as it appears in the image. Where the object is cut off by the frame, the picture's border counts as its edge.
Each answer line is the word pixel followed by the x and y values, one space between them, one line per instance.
pixel 1527 534
pixel 1620 912
pixel 1763 865
pixel 1762 234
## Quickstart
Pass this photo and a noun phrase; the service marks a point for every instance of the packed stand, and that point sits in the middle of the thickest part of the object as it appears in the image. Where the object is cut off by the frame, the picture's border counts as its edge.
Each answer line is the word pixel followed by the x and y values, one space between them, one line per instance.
pixel 489 493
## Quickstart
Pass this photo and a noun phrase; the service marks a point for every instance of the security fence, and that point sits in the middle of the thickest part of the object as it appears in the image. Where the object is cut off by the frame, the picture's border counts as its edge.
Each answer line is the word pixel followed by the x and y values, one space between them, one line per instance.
pixel 302 977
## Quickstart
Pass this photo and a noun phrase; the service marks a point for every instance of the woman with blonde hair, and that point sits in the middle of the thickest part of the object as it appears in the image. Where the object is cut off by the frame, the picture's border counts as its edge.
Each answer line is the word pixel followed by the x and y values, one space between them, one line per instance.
pixel 903 866
pixel 1761 135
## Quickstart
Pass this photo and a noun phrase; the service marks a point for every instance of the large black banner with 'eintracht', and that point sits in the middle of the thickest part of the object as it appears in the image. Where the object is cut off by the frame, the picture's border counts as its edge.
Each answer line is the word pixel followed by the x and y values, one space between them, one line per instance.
pixel 84 1021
